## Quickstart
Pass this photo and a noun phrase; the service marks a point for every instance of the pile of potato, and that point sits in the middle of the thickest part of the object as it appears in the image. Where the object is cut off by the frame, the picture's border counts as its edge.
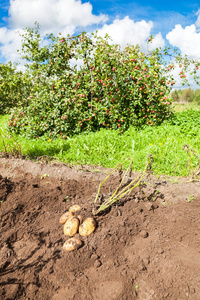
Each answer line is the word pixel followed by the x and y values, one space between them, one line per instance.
pixel 73 224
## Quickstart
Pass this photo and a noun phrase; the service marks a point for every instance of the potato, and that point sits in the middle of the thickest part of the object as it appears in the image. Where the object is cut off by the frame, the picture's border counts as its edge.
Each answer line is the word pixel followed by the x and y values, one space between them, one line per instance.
pixel 74 208
pixel 72 244
pixel 71 226
pixel 87 227
pixel 80 218
pixel 65 217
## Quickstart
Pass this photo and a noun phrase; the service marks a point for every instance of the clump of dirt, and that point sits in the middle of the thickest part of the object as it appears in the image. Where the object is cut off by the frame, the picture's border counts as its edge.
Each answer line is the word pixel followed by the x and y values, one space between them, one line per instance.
pixel 5 188
pixel 146 247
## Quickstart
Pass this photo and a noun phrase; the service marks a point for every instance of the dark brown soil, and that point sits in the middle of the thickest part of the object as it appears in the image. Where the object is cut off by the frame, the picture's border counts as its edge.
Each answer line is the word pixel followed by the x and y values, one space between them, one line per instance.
pixel 147 247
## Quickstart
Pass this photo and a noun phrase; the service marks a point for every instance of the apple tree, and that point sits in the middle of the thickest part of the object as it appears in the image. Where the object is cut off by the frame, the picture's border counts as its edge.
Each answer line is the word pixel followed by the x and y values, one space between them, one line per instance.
pixel 85 83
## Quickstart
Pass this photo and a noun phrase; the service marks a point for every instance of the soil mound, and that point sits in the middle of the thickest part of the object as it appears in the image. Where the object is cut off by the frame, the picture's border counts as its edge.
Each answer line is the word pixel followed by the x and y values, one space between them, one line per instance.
pixel 146 247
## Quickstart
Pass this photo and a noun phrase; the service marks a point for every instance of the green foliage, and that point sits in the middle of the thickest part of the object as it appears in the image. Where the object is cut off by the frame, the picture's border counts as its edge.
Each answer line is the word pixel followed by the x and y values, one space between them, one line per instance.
pixel 186 96
pixel 112 88
pixel 108 148
pixel 189 117
pixel 14 87
pixel 175 96
pixel 188 122
pixel 78 84
pixel 196 98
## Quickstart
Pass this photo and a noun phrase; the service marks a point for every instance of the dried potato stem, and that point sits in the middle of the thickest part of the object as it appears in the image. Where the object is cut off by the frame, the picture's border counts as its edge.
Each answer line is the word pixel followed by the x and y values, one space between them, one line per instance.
pixel 122 178
pixel 126 190
pixel 118 166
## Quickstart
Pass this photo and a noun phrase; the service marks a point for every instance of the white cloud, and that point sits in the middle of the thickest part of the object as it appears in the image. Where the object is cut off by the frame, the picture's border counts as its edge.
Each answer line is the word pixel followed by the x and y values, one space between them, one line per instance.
pixel 126 31
pixel 66 16
pixel 53 15
pixel 10 42
pixel 157 42
pixel 186 39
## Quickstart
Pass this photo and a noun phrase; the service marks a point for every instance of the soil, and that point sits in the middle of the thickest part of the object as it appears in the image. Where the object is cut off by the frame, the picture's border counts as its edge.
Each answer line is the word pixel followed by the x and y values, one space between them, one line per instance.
pixel 145 247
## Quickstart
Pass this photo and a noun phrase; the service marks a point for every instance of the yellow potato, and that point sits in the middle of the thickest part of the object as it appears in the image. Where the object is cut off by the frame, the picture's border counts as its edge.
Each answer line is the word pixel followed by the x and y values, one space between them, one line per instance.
pixel 71 226
pixel 80 218
pixel 72 244
pixel 74 208
pixel 65 217
pixel 87 227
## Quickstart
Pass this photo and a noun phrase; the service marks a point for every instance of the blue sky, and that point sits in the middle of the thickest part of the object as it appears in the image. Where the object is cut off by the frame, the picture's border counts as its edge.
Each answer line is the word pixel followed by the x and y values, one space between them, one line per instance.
pixel 164 14
pixel 174 23
pixel 4 5
pixel 148 10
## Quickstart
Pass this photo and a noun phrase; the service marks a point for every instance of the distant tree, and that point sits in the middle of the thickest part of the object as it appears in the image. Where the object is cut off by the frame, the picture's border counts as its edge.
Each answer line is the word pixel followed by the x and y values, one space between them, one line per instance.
pixel 175 96
pixel 197 96
pixel 188 95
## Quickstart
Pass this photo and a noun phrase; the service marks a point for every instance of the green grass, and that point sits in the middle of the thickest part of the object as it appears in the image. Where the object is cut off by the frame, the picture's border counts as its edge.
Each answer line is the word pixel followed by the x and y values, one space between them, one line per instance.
pixel 108 148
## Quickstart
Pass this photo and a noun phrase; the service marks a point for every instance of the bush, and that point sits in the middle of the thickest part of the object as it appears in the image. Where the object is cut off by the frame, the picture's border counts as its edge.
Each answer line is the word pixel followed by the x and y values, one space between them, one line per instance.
pixel 188 122
pixel 14 87
pixel 112 88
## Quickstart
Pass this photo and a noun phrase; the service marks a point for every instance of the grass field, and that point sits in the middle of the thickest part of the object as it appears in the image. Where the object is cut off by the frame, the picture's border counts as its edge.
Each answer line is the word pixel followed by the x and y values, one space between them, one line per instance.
pixel 108 148
pixel 182 106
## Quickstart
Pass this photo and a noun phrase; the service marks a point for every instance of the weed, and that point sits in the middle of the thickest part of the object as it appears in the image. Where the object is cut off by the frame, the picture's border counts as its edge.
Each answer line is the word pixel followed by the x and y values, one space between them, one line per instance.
pixel 190 198
pixel 67 198
pixel 166 203
pixel 193 172
pixel 12 148
pixel 137 287
pixel 173 180
pixel 44 176
pixel 96 171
